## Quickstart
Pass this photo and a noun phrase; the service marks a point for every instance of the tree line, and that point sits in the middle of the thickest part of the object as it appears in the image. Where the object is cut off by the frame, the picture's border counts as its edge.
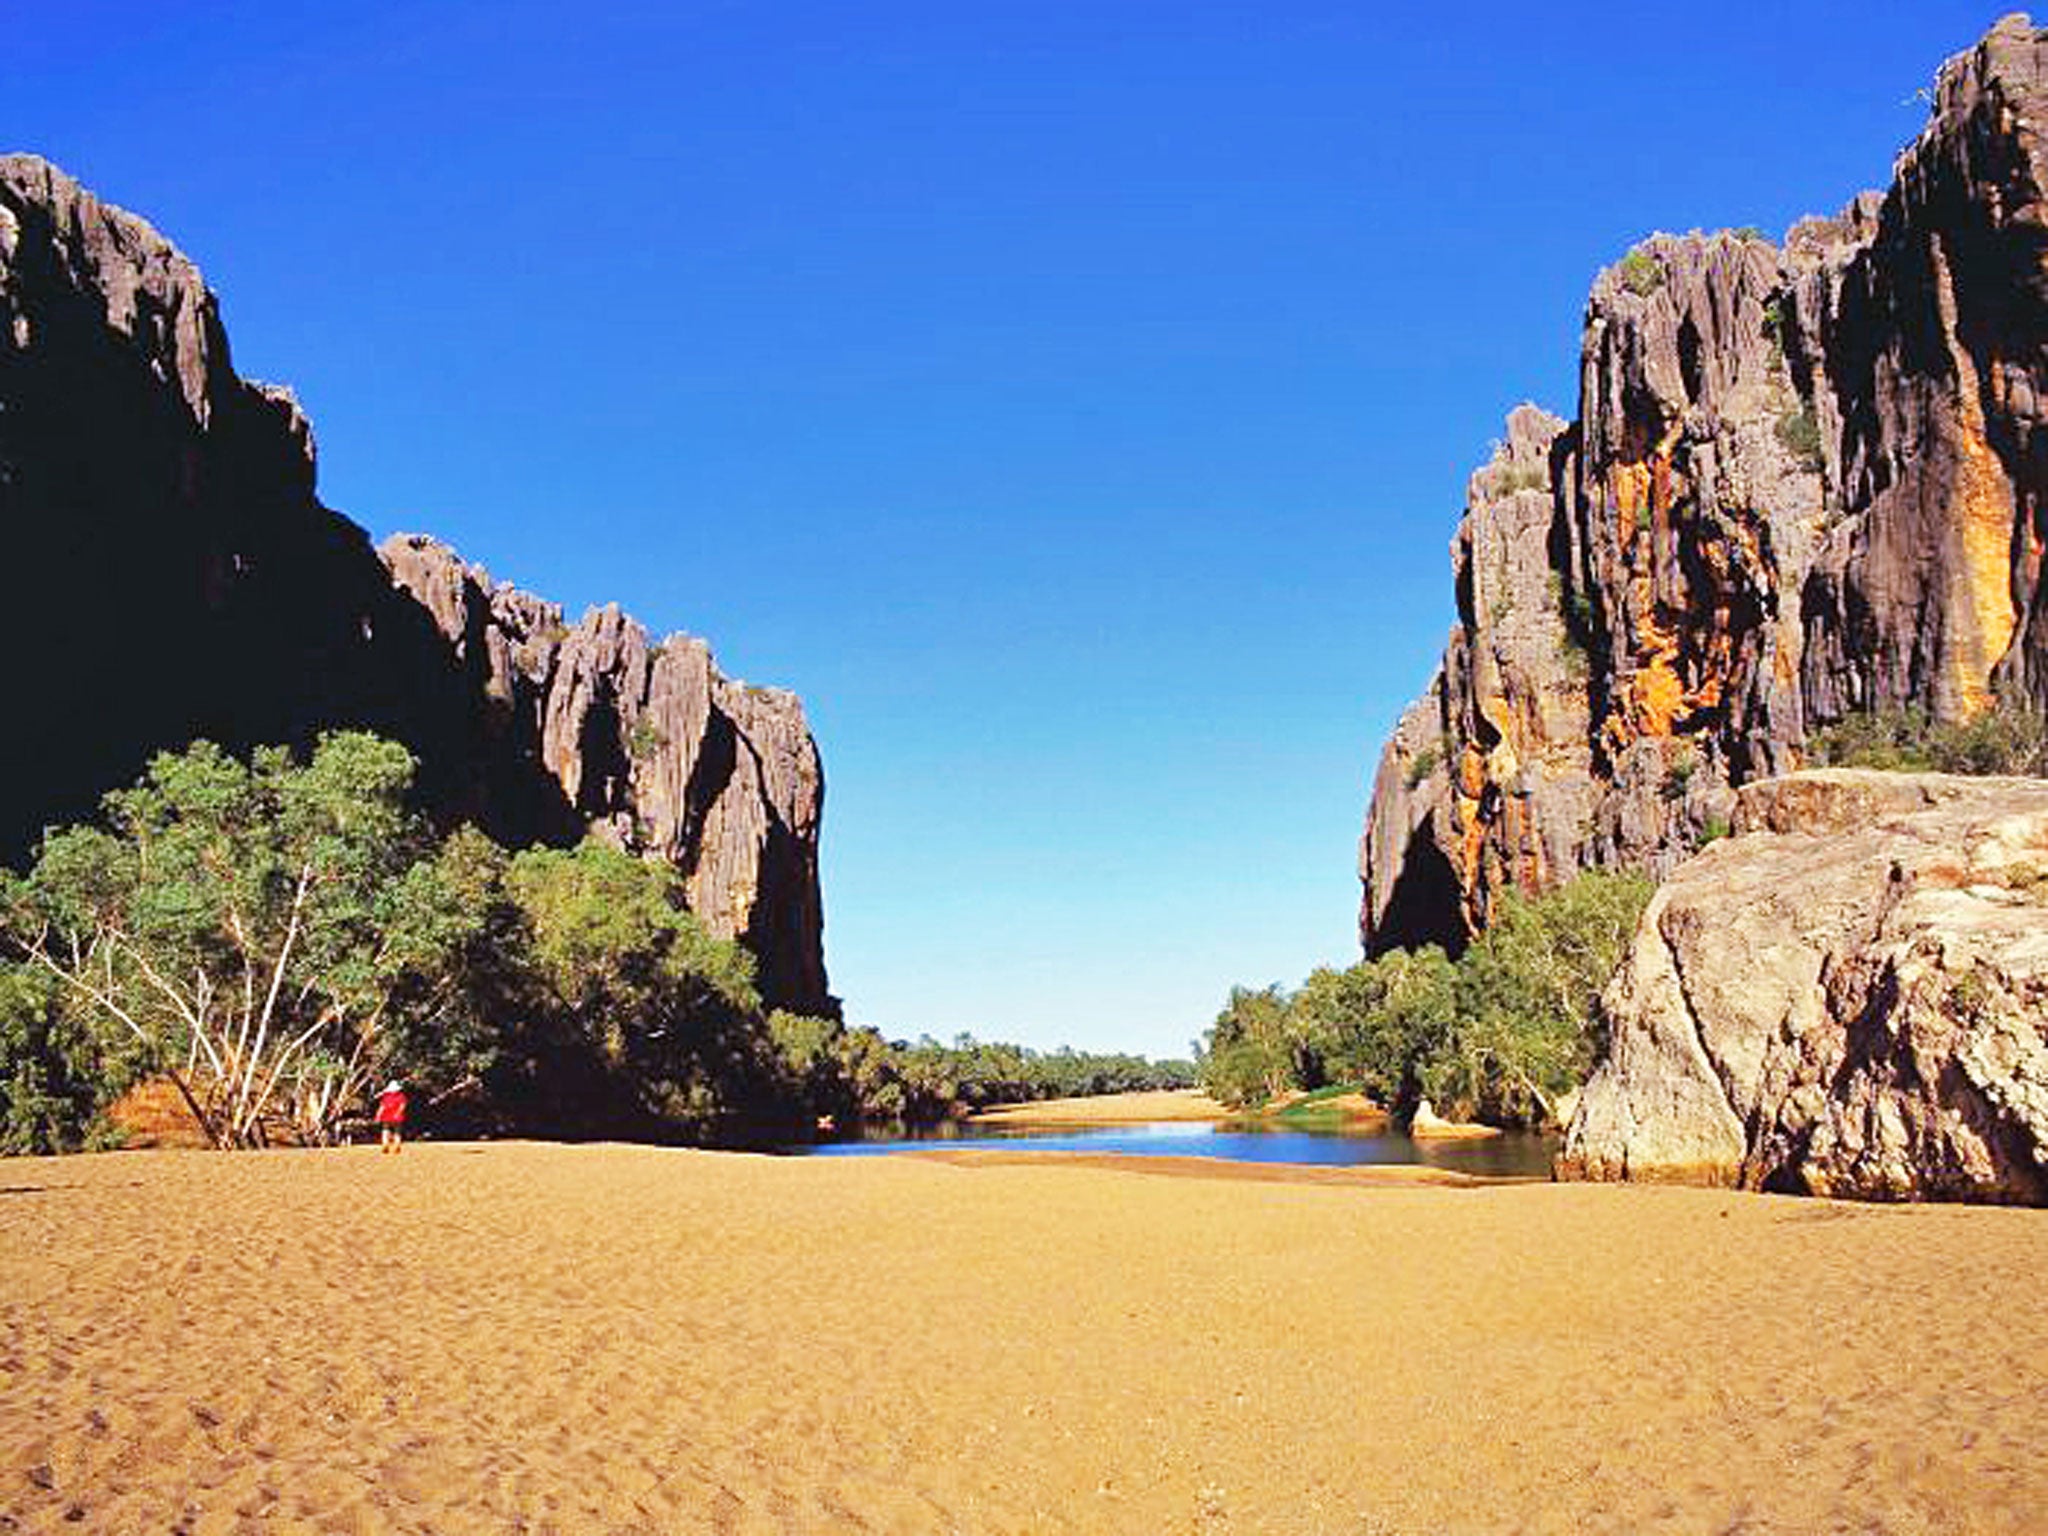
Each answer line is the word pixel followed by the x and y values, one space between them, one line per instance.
pixel 1499 1034
pixel 275 938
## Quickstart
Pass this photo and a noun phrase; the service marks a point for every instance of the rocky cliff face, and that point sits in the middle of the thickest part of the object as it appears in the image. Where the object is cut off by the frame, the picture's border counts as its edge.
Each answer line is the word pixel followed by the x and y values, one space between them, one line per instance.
pixel 1803 481
pixel 1845 998
pixel 177 577
pixel 648 745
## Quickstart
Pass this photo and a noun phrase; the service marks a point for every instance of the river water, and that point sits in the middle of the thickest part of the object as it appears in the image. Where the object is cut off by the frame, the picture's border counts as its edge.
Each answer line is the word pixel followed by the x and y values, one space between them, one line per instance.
pixel 1512 1155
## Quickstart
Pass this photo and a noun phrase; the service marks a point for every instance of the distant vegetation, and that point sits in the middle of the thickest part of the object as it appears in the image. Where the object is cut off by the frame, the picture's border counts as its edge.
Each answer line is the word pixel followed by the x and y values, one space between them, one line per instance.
pixel 2008 738
pixel 1496 1035
pixel 932 1082
pixel 275 938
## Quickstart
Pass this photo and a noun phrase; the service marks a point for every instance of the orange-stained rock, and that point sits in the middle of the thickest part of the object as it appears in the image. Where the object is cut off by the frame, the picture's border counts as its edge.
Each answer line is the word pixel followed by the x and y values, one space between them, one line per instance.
pixel 1803 480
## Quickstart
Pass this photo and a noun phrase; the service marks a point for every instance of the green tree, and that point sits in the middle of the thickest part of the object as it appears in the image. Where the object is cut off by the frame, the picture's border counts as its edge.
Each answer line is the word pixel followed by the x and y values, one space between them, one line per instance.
pixel 813 1056
pixel 667 1010
pixel 1525 1027
pixel 1374 1024
pixel 1251 1053
pixel 247 927
pixel 469 1038
pixel 54 1075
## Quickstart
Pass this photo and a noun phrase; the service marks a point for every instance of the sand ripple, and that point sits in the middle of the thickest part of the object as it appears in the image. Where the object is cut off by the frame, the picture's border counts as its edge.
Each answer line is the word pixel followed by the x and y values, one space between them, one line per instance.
pixel 551 1339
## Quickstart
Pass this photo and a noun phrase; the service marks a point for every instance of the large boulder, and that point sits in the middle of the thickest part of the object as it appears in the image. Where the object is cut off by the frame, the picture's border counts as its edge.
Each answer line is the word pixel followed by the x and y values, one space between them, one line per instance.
pixel 1848 997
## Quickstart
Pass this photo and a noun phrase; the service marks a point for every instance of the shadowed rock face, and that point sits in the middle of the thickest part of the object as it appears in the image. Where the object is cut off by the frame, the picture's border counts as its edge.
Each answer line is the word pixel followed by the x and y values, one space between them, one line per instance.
pixel 1802 481
pixel 1844 999
pixel 646 744
pixel 178 577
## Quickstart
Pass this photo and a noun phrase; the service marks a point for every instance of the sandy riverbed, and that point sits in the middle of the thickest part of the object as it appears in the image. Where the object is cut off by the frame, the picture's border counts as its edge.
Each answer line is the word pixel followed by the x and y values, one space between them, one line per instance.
pixel 538 1338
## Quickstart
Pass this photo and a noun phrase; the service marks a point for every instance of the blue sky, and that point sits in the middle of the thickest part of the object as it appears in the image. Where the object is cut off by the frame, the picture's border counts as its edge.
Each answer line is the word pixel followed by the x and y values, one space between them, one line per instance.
pixel 1072 402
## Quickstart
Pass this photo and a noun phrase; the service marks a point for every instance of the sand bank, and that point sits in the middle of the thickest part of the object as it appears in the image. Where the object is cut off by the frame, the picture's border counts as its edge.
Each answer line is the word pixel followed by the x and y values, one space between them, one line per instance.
pixel 604 1339
pixel 1110 1109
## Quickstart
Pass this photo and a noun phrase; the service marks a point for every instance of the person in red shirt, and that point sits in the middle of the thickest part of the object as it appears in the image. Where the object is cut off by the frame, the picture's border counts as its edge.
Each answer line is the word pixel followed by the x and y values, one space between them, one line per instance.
pixel 391 1117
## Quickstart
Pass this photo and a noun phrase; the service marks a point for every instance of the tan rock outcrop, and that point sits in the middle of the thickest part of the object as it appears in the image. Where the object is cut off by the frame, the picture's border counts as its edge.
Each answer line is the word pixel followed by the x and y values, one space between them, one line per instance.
pixel 1848 997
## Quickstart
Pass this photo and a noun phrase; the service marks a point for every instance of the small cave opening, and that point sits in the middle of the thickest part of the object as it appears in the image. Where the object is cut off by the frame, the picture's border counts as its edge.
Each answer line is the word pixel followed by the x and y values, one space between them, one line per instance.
pixel 1427 905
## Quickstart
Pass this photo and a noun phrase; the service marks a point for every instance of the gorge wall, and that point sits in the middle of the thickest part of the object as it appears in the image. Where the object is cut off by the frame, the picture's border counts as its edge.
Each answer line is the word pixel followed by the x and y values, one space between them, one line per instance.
pixel 176 576
pixel 1805 479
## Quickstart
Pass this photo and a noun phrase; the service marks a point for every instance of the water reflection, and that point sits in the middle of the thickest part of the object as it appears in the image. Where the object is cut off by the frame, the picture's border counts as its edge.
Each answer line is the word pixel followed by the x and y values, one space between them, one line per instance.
pixel 1512 1155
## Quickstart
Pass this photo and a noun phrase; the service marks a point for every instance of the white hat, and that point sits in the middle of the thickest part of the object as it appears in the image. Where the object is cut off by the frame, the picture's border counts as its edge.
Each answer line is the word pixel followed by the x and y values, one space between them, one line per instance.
pixel 394 1086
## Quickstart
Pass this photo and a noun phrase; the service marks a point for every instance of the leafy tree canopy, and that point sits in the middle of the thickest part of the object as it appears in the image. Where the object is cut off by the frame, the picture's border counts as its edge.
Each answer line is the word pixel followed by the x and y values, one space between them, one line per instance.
pixel 275 937
pixel 248 927
pixel 1500 1034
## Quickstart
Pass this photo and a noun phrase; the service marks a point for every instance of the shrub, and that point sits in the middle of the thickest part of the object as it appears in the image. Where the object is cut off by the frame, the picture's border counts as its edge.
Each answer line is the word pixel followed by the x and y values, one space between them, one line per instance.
pixel 1641 273
pixel 1576 610
pixel 645 739
pixel 1970 996
pixel 1774 333
pixel 1677 777
pixel 1894 739
pixel 1423 764
pixel 1799 435
pixel 2004 739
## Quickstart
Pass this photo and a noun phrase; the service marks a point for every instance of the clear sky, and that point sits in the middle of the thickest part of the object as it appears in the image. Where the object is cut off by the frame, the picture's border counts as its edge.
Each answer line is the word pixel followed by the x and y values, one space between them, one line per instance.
pixel 1073 402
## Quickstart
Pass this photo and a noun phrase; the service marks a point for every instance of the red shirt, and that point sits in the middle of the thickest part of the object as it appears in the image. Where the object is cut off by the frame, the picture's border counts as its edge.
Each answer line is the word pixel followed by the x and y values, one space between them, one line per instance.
pixel 391 1107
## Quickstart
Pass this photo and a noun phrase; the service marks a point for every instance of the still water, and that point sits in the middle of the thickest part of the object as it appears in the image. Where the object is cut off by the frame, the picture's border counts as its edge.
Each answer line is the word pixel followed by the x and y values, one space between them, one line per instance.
pixel 1512 1155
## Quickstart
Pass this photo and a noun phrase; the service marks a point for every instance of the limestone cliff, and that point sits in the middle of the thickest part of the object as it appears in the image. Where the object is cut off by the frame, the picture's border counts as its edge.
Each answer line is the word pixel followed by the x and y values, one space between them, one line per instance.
pixel 177 576
pixel 1802 481
pixel 1844 998
pixel 650 746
